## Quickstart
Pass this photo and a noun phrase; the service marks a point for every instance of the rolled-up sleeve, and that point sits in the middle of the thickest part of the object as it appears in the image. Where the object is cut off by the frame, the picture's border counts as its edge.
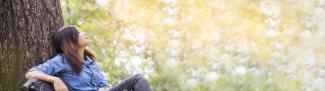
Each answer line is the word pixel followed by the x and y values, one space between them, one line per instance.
pixel 51 66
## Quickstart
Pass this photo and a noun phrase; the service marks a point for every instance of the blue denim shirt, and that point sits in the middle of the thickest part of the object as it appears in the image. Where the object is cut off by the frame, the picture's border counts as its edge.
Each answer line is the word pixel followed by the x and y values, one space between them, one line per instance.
pixel 89 79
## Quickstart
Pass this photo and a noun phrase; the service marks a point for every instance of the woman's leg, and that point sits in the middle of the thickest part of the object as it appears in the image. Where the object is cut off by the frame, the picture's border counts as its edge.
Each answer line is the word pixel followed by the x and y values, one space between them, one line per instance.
pixel 135 83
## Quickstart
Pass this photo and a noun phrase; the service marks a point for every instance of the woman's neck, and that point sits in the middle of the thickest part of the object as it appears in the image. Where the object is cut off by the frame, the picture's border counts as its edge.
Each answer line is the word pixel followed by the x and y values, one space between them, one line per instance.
pixel 81 53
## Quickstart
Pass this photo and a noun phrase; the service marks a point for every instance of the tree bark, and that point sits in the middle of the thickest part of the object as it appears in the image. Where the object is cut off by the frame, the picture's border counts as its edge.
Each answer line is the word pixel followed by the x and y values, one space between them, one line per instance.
pixel 26 30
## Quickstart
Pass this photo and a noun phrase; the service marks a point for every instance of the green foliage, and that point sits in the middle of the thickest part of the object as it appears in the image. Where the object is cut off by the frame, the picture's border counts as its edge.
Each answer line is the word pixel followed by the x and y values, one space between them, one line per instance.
pixel 207 45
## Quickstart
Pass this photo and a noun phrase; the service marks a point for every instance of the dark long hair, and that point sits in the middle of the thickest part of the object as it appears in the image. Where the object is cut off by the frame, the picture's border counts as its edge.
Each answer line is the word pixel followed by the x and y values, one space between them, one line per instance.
pixel 65 41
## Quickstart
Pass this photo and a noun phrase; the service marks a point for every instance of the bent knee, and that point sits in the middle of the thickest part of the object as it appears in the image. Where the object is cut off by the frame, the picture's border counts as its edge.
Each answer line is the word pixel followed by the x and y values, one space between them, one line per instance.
pixel 138 76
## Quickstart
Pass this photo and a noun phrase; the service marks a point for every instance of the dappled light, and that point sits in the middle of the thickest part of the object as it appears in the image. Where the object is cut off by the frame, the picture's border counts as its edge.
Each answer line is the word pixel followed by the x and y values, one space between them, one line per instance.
pixel 207 45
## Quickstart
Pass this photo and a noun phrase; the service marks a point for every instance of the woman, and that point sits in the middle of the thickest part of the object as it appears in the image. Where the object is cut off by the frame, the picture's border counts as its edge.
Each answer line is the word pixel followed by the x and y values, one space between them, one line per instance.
pixel 75 68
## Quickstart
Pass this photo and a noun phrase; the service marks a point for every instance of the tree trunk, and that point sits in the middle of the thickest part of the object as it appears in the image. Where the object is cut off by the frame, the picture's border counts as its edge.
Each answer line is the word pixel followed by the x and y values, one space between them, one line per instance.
pixel 26 30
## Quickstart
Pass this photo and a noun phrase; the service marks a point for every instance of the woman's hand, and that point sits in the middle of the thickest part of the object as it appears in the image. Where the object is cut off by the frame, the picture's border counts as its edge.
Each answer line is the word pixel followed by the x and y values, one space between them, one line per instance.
pixel 59 85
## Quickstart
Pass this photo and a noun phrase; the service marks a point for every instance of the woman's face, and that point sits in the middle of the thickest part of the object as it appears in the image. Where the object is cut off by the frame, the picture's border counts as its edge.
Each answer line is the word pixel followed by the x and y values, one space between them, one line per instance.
pixel 83 39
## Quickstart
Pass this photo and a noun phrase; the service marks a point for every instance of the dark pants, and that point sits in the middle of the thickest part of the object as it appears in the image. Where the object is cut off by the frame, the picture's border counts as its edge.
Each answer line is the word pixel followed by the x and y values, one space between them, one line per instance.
pixel 135 83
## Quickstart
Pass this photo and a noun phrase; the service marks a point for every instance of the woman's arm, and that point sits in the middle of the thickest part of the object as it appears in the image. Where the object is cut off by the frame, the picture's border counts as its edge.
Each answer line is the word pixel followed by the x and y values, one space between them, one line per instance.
pixel 45 72
pixel 57 82
pixel 42 76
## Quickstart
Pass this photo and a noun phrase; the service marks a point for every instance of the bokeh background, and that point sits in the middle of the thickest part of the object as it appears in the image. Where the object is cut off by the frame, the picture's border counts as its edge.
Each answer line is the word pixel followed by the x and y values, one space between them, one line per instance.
pixel 207 45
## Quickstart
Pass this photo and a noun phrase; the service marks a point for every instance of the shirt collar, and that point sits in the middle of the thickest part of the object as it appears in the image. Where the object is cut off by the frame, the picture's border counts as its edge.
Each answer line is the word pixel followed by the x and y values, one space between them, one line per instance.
pixel 88 61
